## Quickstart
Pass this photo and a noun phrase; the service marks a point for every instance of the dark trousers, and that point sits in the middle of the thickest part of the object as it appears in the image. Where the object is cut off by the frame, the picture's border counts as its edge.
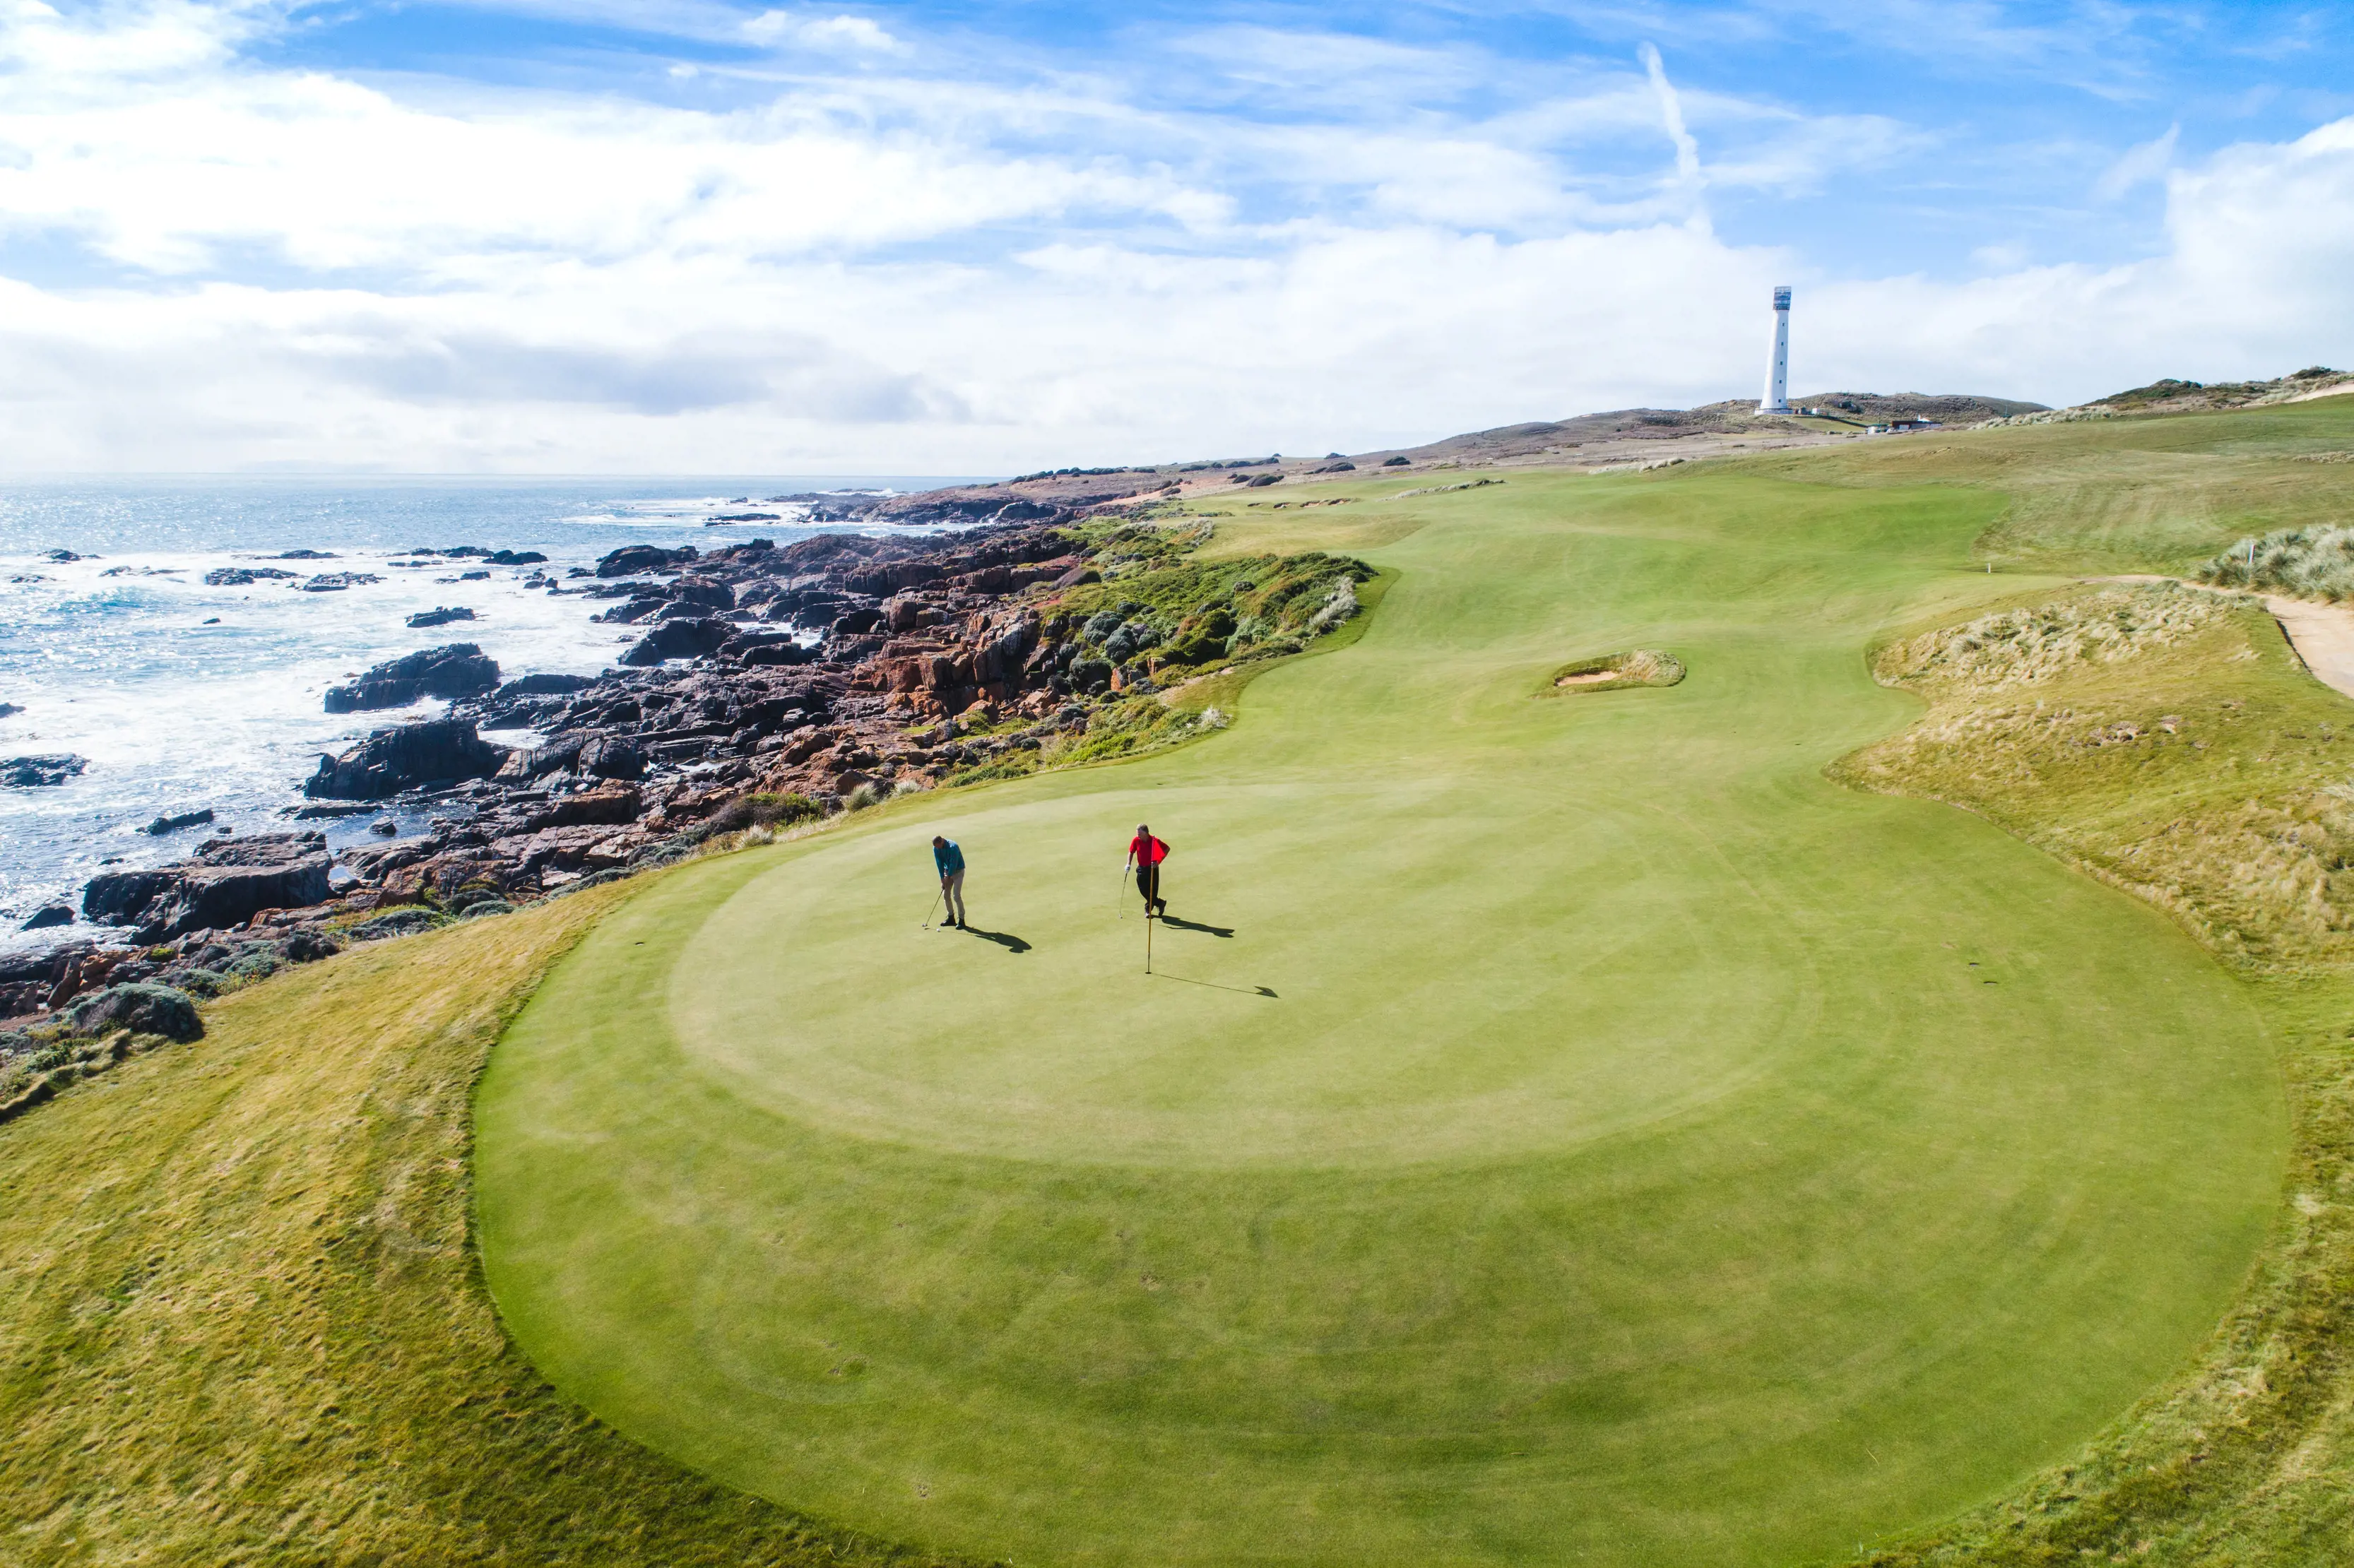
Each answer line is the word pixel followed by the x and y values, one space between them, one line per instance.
pixel 1148 882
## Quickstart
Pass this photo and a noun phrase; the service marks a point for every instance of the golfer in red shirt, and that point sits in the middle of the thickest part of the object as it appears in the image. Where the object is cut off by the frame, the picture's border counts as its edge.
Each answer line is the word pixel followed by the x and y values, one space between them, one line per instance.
pixel 1146 852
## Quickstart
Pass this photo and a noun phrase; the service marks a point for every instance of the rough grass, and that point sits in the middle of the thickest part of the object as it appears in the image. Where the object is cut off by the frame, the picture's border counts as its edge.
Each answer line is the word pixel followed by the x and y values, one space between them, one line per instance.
pixel 2164 740
pixel 2159 494
pixel 2168 742
pixel 241 1318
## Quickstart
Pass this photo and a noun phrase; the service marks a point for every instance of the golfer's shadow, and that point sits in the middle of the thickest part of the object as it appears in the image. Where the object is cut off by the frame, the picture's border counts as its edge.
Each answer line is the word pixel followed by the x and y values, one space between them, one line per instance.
pixel 1174 924
pixel 1006 939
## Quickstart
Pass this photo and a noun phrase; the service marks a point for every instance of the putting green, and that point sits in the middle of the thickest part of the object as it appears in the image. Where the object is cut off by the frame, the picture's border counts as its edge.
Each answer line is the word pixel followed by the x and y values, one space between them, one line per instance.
pixel 1563 1127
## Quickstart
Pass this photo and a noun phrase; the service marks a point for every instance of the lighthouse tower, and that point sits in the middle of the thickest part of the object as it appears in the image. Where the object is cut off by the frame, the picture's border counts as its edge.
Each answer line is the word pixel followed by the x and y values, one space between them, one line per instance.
pixel 1777 371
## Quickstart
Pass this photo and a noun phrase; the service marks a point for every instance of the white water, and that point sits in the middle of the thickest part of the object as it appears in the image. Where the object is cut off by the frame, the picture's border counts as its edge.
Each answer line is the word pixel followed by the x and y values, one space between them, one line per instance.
pixel 182 696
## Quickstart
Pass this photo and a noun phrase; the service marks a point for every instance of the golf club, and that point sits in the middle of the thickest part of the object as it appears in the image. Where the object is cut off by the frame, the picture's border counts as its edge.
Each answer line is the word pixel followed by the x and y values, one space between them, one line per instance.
pixel 937 896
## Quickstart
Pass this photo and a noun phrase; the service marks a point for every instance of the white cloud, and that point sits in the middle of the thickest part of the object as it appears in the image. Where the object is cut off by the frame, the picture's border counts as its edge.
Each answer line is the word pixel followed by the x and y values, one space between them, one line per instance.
pixel 910 274
pixel 842 32
pixel 1672 114
pixel 2138 166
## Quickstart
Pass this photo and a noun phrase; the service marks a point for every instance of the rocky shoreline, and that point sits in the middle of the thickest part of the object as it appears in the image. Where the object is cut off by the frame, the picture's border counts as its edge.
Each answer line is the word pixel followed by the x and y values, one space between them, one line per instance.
pixel 770 686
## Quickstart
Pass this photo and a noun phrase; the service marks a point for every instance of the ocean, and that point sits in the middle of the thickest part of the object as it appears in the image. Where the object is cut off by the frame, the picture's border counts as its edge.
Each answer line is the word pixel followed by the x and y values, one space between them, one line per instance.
pixel 179 695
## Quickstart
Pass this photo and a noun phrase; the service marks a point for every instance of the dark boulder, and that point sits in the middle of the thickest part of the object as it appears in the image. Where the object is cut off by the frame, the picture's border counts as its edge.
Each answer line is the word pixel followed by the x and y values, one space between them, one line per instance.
pixel 49 915
pixel 630 559
pixel 119 897
pixel 607 804
pixel 241 576
pixel 683 639
pixel 141 1009
pixel 305 556
pixel 544 686
pixel 515 559
pixel 40 772
pixel 391 761
pixel 227 883
pixel 440 615
pixel 711 592
pixel 173 824
pixel 612 757
pixel 307 947
pixel 260 849
pixel 1398 462
pixel 460 669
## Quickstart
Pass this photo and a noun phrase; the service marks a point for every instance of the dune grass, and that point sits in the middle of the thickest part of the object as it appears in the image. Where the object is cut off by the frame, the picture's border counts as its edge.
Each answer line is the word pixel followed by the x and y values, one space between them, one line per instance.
pixel 1558 1130
pixel 241 1320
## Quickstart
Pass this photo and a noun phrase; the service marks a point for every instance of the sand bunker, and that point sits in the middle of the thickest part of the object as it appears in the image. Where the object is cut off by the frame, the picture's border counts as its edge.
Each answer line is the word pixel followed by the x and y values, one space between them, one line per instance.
pixel 1634 667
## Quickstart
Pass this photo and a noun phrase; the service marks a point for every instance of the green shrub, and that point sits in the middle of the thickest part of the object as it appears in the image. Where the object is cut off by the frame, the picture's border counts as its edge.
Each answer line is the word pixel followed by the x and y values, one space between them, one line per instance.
pixel 139 1008
pixel 400 922
pixel 763 810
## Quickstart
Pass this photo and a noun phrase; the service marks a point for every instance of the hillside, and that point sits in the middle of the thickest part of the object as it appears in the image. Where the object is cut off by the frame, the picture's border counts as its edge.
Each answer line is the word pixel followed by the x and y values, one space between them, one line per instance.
pixel 2176 396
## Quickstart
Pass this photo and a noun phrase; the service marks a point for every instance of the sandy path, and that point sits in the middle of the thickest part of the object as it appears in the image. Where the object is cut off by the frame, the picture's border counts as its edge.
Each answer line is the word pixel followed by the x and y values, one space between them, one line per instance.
pixel 2322 634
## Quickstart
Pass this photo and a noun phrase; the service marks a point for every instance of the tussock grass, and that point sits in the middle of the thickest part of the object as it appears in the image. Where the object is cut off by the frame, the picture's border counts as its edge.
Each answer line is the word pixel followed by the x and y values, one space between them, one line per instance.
pixel 2307 563
pixel 241 1318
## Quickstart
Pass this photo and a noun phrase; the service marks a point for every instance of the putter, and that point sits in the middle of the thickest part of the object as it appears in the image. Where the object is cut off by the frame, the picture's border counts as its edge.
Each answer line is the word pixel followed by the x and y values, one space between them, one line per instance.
pixel 1148 938
pixel 936 896
pixel 1119 894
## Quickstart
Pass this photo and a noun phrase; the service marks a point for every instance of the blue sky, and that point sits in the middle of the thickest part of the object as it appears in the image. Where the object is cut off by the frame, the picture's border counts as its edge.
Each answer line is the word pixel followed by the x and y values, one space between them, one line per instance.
pixel 581 236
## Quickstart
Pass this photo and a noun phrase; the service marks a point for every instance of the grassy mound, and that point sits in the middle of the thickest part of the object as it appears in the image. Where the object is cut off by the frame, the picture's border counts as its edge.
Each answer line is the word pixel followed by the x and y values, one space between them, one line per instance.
pixel 241 1315
pixel 1552 1130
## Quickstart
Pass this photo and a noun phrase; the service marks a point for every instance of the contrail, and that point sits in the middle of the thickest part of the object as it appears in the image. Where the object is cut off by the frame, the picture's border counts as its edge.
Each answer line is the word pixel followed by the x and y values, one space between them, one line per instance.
pixel 1671 111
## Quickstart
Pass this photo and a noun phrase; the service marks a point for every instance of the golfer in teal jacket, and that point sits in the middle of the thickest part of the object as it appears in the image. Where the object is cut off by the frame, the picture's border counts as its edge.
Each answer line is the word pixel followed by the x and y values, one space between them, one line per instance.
pixel 950 861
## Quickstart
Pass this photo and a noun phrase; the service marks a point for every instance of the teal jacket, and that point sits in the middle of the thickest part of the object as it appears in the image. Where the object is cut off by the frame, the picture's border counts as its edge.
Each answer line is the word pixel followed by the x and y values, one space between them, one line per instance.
pixel 949 858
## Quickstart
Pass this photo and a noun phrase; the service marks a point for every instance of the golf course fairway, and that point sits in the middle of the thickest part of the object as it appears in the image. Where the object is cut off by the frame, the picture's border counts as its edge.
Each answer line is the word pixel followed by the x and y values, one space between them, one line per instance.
pixel 1561 1127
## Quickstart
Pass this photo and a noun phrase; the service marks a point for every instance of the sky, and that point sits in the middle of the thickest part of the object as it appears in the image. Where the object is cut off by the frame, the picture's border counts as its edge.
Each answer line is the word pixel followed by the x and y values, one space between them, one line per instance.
pixel 697 237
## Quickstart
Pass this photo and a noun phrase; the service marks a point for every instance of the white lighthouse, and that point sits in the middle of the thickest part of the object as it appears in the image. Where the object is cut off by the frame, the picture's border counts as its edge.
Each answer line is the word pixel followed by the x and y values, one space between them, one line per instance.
pixel 1778 370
